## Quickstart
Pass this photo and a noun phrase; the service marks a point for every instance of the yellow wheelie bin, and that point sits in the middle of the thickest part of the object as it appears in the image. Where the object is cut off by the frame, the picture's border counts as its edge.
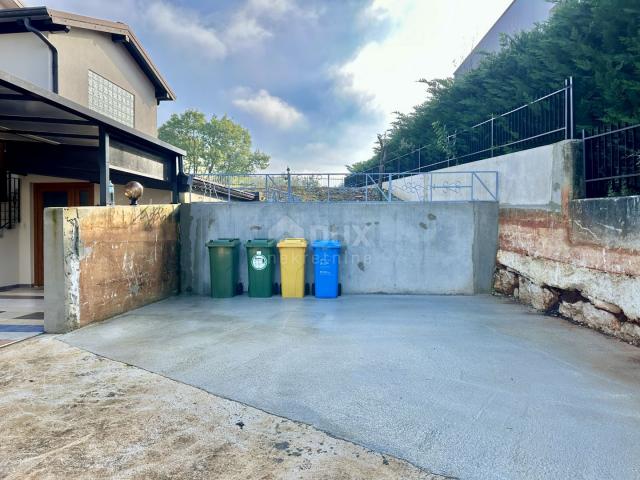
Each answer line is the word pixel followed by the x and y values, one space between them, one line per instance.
pixel 292 259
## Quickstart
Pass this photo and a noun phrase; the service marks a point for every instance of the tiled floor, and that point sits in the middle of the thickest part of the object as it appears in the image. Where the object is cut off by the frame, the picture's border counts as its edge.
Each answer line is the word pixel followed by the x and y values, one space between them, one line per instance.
pixel 21 314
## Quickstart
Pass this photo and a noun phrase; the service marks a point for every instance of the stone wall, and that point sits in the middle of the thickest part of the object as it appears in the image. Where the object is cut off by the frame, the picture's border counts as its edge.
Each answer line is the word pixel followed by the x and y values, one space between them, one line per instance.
pixel 579 259
pixel 581 262
pixel 100 262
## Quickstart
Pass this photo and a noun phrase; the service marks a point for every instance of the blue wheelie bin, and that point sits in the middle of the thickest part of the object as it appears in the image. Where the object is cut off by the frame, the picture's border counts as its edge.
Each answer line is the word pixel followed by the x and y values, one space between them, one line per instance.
pixel 326 257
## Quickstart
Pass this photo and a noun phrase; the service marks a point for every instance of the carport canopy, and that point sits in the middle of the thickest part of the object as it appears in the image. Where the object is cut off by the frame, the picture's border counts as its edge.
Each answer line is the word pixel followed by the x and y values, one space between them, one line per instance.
pixel 45 133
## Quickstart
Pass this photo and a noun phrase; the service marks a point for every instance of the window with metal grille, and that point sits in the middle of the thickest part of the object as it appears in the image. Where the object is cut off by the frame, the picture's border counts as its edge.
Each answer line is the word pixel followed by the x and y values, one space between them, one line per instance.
pixel 109 99
pixel 9 201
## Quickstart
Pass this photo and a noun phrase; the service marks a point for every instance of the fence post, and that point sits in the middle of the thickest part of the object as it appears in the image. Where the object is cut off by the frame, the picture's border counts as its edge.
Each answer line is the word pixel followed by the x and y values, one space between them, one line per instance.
pixel 229 188
pixel 583 184
pixel 390 180
pixel 328 187
pixel 266 187
pixel 366 187
pixel 288 184
pixel 571 107
pixel 419 161
pixel 566 109
pixel 431 187
pixel 492 135
pixel 472 185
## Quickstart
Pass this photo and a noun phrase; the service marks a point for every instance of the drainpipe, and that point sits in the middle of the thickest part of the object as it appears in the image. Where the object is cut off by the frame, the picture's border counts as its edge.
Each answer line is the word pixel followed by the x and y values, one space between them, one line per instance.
pixel 54 51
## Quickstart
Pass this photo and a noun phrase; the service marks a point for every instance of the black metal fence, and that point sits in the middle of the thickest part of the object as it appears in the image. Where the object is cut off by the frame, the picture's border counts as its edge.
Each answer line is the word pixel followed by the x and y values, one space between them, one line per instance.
pixel 546 120
pixel 9 201
pixel 543 121
pixel 611 159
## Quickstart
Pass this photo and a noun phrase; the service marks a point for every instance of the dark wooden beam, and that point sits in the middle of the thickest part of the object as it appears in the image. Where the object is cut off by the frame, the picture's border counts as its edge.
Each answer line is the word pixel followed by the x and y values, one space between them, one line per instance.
pixel 38 133
pixel 174 174
pixel 11 96
pixel 57 121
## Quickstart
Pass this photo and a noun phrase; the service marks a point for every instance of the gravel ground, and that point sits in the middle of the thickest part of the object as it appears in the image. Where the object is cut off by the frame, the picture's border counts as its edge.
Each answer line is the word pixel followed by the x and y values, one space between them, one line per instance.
pixel 66 413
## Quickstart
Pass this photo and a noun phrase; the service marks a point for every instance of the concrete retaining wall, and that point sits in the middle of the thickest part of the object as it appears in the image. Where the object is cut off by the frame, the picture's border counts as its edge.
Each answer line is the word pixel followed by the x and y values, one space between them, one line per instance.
pixel 531 178
pixel 103 261
pixel 439 248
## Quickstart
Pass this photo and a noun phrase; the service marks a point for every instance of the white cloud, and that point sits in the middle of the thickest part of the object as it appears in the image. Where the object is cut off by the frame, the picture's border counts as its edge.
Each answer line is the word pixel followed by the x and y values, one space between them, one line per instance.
pixel 245 31
pixel 192 34
pixel 269 109
pixel 326 152
pixel 257 20
pixel 424 40
pixel 275 8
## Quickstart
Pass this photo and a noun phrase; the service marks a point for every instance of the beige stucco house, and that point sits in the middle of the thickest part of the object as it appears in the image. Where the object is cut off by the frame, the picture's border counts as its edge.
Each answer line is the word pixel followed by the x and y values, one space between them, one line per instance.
pixel 78 120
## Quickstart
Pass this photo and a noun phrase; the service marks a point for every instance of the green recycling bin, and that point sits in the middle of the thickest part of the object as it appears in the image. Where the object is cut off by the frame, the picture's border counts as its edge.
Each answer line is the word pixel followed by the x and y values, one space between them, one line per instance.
pixel 261 261
pixel 224 255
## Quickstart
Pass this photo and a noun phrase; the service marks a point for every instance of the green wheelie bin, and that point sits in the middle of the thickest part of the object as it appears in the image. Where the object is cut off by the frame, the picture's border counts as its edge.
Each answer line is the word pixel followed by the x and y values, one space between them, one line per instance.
pixel 224 255
pixel 261 261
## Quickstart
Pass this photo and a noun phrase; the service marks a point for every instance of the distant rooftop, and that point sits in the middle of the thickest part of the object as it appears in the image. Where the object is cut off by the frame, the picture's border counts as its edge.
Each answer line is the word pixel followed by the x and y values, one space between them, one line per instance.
pixel 521 15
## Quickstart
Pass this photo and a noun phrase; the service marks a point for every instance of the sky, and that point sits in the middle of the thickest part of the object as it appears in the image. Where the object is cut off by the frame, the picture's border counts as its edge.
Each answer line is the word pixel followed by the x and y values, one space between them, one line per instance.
pixel 313 81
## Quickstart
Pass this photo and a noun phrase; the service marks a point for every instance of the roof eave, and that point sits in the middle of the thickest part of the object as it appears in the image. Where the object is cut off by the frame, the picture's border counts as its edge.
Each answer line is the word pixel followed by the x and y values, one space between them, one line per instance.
pixel 52 20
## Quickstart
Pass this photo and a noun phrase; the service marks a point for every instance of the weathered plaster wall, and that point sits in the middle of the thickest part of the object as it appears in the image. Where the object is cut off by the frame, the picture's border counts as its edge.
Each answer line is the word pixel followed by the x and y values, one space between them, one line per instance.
pixel 577 253
pixel 100 262
pixel 578 258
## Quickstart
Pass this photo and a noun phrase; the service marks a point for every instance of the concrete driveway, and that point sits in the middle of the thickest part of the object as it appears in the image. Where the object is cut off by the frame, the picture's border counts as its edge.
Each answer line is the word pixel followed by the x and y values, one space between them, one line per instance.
pixel 472 387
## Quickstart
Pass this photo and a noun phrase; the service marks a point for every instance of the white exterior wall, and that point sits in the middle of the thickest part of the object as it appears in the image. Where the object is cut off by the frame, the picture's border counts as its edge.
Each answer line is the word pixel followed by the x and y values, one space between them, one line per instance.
pixel 9 265
pixel 16 244
pixel 27 57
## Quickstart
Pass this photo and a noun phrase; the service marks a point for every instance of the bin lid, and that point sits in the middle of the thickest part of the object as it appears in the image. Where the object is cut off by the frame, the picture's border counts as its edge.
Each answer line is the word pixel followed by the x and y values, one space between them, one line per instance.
pixel 261 243
pixel 292 243
pixel 224 242
pixel 326 244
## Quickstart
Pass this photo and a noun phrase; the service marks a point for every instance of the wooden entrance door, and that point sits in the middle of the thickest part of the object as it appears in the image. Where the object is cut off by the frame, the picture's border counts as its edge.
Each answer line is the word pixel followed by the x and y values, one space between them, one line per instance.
pixel 53 195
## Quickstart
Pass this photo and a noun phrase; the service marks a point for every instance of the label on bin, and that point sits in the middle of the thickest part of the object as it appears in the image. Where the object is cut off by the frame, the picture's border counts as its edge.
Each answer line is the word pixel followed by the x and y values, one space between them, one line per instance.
pixel 259 261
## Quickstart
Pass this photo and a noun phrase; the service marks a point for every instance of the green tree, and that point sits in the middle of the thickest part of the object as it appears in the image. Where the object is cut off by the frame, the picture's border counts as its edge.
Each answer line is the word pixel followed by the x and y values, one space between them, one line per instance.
pixel 595 41
pixel 217 145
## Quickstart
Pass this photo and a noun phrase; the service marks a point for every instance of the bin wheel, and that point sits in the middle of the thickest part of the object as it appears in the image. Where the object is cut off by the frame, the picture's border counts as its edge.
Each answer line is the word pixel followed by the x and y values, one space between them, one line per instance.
pixel 307 289
pixel 239 288
pixel 313 289
pixel 276 289
pixel 339 289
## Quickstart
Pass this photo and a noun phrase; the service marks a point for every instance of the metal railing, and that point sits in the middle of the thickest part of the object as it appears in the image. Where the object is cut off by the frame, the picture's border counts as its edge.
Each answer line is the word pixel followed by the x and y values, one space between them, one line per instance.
pixel 350 187
pixel 543 121
pixel 611 161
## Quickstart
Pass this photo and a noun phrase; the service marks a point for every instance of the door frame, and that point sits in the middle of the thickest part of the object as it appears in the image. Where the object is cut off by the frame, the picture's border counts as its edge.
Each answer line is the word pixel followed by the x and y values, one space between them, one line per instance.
pixel 73 195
